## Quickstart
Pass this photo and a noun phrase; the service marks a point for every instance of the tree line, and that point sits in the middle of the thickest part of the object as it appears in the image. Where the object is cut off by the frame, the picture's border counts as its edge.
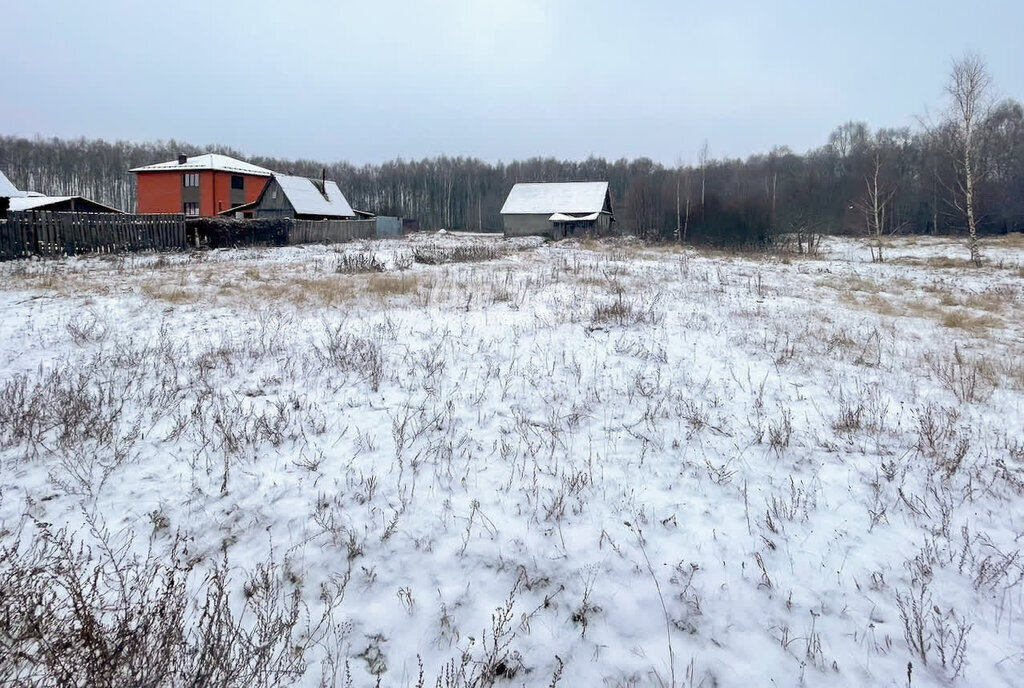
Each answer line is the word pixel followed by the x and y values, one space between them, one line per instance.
pixel 892 180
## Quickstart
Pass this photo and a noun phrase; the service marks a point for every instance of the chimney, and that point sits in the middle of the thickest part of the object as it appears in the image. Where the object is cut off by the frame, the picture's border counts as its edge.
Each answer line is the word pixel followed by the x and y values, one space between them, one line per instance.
pixel 323 178
pixel 182 158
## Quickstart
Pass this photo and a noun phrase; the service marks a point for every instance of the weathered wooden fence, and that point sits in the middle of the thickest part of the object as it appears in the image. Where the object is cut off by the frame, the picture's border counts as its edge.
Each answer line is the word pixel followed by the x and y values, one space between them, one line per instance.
pixel 330 231
pixel 47 233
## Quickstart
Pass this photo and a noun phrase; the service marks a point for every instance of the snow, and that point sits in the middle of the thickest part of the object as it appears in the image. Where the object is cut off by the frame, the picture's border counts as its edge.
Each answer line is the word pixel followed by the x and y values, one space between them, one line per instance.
pixel 563 197
pixel 207 161
pixel 682 467
pixel 33 201
pixel 306 198
pixel 7 188
pixel 36 201
pixel 562 217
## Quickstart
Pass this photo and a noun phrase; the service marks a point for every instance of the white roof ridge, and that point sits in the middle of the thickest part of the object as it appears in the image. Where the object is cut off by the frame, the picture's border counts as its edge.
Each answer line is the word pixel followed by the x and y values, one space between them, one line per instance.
pixel 207 161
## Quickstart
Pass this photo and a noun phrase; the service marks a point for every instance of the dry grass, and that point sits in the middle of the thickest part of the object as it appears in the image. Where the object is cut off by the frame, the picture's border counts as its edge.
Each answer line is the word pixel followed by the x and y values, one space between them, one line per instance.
pixel 947 316
pixel 300 291
pixel 872 302
pixel 975 313
pixel 170 294
pixel 1013 371
pixel 837 398
pixel 850 283
pixel 940 262
pixel 962 319
pixel 389 285
pixel 1011 240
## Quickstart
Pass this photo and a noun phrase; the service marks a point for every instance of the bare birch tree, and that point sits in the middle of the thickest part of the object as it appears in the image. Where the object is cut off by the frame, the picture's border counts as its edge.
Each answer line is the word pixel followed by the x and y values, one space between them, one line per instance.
pixel 705 152
pixel 969 91
pixel 874 206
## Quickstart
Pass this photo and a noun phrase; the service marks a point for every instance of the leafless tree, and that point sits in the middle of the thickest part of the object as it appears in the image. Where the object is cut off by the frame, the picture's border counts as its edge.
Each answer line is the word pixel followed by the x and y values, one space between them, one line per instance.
pixel 682 216
pixel 705 153
pixel 970 100
pixel 874 206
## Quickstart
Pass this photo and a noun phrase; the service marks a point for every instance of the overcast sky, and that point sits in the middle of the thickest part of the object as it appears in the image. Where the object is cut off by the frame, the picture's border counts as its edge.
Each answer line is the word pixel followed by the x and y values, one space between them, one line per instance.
pixel 374 80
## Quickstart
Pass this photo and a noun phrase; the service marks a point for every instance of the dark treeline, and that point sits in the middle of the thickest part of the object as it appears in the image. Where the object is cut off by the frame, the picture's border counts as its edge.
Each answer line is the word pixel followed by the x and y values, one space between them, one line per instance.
pixel 719 201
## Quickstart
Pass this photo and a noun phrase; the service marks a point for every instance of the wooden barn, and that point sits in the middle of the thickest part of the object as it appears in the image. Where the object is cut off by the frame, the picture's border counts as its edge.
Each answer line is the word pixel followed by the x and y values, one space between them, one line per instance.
pixel 299 198
pixel 558 210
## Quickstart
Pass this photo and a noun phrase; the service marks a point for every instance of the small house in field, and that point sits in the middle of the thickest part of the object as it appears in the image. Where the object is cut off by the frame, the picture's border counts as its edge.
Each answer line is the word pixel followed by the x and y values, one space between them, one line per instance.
pixel 298 198
pixel 198 185
pixel 558 210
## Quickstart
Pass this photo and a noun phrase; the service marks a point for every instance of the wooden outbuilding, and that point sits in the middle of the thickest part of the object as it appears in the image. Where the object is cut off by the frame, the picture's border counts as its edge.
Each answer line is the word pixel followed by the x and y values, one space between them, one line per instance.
pixel 298 198
pixel 65 204
pixel 558 210
pixel 14 200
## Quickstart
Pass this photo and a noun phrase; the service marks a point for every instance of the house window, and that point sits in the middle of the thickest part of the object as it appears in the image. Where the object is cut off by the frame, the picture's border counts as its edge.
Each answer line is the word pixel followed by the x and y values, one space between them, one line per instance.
pixel 191 209
pixel 190 179
pixel 237 181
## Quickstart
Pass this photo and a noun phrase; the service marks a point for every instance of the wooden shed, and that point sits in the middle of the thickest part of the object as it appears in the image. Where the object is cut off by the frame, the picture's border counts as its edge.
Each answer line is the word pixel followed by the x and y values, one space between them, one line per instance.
pixel 69 204
pixel 299 198
pixel 558 210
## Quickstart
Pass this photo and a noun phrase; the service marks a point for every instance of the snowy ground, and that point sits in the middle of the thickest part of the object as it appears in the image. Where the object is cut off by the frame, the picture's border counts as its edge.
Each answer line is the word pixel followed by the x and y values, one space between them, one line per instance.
pixel 654 466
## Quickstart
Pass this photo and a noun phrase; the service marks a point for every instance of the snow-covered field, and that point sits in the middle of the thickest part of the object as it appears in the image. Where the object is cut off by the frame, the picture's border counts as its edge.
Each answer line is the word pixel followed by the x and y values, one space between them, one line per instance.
pixel 594 464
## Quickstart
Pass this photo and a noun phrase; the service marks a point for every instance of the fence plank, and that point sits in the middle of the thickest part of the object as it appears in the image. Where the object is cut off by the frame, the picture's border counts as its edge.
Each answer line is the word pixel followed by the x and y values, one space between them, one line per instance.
pixel 48 233
pixel 331 231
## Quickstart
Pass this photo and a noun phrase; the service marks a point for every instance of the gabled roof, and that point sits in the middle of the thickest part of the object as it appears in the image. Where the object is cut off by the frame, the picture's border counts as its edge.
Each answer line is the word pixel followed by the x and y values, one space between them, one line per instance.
pixel 208 161
pixel 37 202
pixel 7 189
pixel 307 199
pixel 562 197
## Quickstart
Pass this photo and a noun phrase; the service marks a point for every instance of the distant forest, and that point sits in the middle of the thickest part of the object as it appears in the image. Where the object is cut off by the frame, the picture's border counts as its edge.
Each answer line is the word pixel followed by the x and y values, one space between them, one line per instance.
pixel 826 190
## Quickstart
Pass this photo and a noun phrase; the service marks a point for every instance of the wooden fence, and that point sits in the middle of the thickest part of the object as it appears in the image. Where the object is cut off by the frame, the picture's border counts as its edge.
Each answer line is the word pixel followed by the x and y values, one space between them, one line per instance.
pixel 330 231
pixel 47 233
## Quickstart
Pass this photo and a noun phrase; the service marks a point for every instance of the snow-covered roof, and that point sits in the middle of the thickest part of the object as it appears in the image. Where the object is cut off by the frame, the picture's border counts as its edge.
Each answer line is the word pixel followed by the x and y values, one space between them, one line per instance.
pixel 305 197
pixel 562 197
pixel 208 161
pixel 562 217
pixel 7 189
pixel 33 202
pixel 37 201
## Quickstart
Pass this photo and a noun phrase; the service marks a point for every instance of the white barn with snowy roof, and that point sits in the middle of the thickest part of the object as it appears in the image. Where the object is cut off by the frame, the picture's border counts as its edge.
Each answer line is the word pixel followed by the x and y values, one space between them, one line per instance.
pixel 558 210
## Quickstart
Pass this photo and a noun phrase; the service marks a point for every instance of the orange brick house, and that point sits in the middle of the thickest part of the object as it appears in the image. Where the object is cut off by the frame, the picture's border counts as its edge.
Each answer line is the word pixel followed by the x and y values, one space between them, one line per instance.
pixel 198 185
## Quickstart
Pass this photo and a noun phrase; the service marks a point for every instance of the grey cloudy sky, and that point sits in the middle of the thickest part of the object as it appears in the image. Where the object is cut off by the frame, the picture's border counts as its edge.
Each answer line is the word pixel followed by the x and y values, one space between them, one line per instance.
pixel 371 81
